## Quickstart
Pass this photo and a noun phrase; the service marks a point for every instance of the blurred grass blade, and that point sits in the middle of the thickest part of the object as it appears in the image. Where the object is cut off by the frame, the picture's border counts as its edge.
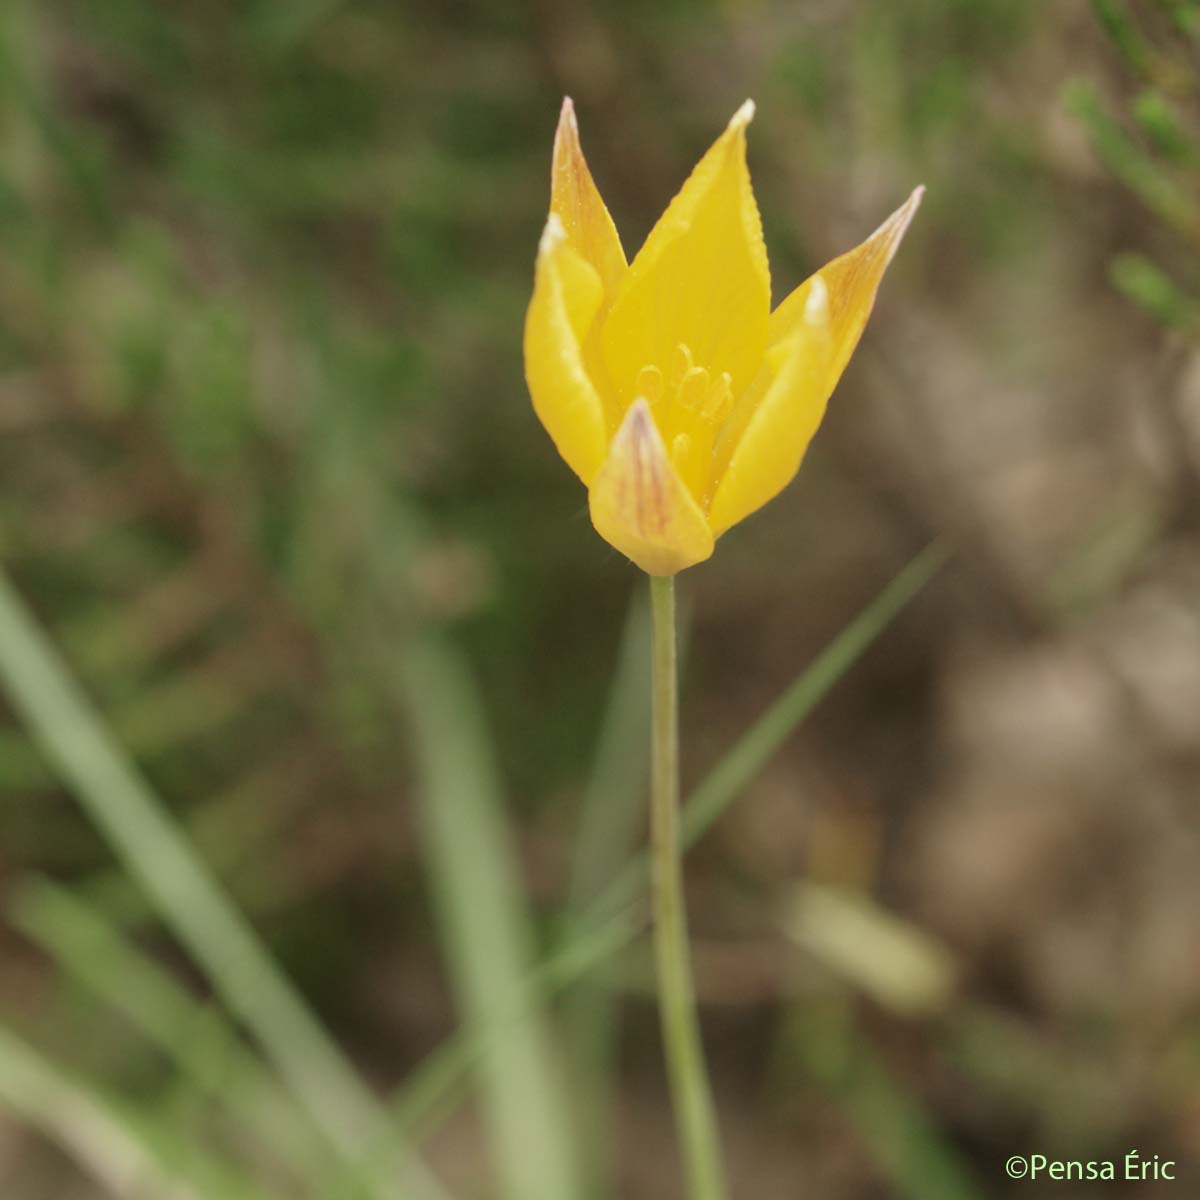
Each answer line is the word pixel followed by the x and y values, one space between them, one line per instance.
pixel 1148 179
pixel 612 813
pixel 893 1123
pixel 25 71
pixel 1121 28
pixel 75 741
pixel 902 1136
pixel 613 807
pixel 1160 119
pixel 111 1148
pixel 208 1052
pixel 1185 14
pixel 431 1091
pixel 608 924
pixel 232 830
pixel 1148 286
pixel 755 748
pixel 486 926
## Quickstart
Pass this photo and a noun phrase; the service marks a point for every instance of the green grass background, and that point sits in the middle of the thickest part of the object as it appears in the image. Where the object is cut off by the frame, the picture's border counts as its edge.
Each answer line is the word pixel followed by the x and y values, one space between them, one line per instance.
pixel 325 714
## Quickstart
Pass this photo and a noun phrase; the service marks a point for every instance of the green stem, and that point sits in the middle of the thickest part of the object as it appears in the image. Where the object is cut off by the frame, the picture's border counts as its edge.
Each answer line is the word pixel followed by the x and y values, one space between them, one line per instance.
pixel 690 1091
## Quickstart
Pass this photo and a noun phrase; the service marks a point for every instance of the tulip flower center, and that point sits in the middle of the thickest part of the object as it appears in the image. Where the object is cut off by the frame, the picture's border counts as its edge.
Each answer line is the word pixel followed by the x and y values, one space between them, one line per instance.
pixel 689 408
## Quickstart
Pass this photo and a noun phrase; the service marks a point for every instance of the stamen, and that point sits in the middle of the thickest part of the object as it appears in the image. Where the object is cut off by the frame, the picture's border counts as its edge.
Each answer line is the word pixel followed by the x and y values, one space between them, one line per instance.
pixel 693 388
pixel 719 400
pixel 681 364
pixel 649 383
pixel 690 406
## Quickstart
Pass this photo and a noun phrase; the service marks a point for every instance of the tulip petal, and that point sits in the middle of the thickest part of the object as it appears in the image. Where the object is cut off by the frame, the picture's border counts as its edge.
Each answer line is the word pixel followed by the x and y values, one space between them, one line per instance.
pixel 853 280
pixel 640 505
pixel 577 201
pixel 812 335
pixel 567 295
pixel 764 441
pixel 701 279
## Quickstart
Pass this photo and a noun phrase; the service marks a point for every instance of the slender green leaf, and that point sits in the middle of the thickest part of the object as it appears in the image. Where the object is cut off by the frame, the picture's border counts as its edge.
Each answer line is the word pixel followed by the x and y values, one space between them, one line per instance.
pixel 198 1038
pixel 77 744
pixel 755 748
pixel 110 1145
pixel 892 1121
pixel 612 813
pixel 487 929
pixel 609 924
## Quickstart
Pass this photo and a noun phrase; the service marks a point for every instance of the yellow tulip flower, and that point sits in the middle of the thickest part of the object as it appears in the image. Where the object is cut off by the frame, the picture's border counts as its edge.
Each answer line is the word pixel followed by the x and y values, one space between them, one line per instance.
pixel 668 385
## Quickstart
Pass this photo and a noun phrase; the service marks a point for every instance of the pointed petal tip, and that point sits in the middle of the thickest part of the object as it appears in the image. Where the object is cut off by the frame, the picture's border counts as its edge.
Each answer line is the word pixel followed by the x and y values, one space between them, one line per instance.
pixel 743 116
pixel 641 420
pixel 892 231
pixel 907 210
pixel 641 430
pixel 576 200
pixel 566 135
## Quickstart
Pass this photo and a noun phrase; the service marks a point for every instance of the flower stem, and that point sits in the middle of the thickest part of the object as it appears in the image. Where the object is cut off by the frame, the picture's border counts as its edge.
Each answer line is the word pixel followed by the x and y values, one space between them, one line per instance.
pixel 691 1095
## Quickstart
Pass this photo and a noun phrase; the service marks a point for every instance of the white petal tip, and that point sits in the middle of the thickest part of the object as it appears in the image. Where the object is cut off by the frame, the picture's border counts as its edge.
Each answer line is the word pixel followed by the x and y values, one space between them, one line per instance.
pixel 568 113
pixel 743 116
pixel 816 307
pixel 902 218
pixel 552 234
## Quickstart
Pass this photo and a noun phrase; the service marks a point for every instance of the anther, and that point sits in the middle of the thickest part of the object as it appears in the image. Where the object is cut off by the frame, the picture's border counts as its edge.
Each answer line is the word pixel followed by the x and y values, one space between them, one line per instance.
pixel 693 388
pixel 681 363
pixel 649 383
